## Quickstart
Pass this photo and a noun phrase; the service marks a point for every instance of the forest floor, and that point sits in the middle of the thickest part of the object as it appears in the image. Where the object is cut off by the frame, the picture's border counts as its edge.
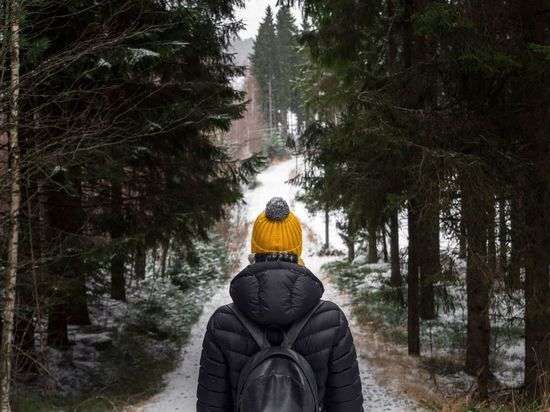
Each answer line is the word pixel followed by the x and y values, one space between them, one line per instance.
pixel 381 391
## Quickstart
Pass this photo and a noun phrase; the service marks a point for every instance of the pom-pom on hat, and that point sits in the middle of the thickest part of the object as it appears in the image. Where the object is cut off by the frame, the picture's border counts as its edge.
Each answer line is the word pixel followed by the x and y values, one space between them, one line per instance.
pixel 277 229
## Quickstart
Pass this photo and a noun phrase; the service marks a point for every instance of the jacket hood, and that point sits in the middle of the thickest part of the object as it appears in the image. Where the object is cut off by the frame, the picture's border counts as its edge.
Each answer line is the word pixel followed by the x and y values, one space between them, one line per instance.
pixel 275 293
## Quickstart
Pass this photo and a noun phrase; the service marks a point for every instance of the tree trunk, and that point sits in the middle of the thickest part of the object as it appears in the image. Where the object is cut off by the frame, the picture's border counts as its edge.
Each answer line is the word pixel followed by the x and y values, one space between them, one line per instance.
pixel 39 265
pixel 429 260
pixel 327 226
pixel 516 252
pixel 299 121
pixel 478 284
pixel 413 315
pixel 25 302
pixel 58 336
pixel 502 239
pixel 78 313
pixel 164 257
pixel 140 261
pixel 58 268
pixel 77 302
pixel 462 246
pixel 385 253
pixel 372 240
pixel 67 269
pixel 491 239
pixel 536 202
pixel 396 280
pixel 413 318
pixel 351 249
pixel 537 293
pixel 15 202
pixel 118 281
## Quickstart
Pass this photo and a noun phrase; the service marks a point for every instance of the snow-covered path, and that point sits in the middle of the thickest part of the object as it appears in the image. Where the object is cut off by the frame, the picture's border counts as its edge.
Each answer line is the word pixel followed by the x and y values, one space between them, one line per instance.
pixel 180 391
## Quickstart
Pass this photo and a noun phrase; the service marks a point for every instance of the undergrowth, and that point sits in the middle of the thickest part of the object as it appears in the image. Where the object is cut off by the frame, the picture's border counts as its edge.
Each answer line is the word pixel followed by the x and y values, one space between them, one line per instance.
pixel 443 339
pixel 146 341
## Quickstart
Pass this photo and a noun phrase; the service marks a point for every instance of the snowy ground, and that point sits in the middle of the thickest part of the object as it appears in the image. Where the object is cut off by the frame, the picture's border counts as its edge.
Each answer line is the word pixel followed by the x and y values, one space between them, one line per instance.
pixel 181 384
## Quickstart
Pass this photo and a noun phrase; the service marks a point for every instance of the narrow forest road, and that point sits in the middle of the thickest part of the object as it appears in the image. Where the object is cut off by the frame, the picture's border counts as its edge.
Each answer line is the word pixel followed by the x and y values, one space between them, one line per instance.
pixel 181 384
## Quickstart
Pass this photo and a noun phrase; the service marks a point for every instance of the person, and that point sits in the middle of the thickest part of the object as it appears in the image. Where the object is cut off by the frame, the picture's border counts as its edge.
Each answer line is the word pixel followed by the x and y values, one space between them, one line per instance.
pixel 277 289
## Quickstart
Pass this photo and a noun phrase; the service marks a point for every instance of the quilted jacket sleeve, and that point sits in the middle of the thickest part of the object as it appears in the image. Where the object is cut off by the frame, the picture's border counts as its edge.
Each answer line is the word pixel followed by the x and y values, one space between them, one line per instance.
pixel 343 390
pixel 214 389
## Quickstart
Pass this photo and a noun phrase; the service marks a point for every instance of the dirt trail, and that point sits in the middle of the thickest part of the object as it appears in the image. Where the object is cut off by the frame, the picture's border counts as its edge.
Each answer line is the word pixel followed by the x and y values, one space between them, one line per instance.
pixel 181 384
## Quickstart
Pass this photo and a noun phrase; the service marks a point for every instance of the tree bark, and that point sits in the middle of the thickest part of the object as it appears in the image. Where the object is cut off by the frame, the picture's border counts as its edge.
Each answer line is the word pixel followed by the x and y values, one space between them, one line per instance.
pixel 462 246
pixel 413 314
pixel 478 284
pixel 396 280
pixel 164 257
pixel 351 249
pixel 372 240
pixel 78 313
pixel 68 302
pixel 58 268
pixel 429 260
pixel 491 238
pixel 77 302
pixel 537 294
pixel 58 336
pixel 327 226
pixel 140 261
pixel 15 203
pixel 26 304
pixel 413 317
pixel 118 280
pixel 517 244
pixel 502 240
pixel 385 253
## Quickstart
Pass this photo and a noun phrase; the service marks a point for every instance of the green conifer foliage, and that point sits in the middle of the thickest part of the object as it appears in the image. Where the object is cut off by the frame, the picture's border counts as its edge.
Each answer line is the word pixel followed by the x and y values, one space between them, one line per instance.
pixel 275 64
pixel 427 102
pixel 265 65
pixel 120 102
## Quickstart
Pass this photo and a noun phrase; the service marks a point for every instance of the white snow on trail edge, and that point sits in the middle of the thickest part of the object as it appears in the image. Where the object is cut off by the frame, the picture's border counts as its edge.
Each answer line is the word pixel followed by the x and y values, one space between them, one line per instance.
pixel 181 384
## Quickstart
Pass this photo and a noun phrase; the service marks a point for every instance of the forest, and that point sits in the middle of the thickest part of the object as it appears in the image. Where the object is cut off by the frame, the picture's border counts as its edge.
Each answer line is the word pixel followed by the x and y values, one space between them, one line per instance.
pixel 422 124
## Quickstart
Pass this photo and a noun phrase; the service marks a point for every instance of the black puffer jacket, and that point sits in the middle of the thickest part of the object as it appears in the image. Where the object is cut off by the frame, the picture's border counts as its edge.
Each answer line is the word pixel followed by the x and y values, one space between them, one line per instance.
pixel 278 293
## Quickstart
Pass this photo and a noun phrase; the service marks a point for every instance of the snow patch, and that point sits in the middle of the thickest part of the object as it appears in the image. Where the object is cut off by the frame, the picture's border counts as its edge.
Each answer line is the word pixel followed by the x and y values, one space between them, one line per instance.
pixel 138 54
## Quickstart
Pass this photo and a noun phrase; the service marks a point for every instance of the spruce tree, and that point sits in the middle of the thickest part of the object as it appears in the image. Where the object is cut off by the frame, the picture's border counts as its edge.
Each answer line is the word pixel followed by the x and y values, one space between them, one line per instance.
pixel 465 116
pixel 288 58
pixel 117 149
pixel 265 66
pixel 275 65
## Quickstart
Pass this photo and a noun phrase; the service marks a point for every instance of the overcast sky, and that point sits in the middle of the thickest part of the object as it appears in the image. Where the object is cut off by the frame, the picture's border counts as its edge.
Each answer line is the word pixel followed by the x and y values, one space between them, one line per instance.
pixel 253 14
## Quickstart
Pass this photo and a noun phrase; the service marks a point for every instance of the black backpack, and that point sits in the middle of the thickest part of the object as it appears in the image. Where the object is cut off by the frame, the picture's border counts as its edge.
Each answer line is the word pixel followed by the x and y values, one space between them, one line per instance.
pixel 276 378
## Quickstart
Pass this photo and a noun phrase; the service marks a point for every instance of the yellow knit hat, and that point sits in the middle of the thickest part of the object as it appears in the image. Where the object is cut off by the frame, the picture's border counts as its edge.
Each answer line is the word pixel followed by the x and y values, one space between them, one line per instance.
pixel 277 229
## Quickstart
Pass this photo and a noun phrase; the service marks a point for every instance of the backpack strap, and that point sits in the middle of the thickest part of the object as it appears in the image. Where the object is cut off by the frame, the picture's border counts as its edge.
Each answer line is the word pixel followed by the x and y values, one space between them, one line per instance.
pixel 297 326
pixel 254 330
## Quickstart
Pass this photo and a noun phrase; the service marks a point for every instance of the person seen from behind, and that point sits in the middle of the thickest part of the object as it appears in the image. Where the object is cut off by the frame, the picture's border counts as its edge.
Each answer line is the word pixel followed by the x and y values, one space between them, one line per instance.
pixel 278 346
